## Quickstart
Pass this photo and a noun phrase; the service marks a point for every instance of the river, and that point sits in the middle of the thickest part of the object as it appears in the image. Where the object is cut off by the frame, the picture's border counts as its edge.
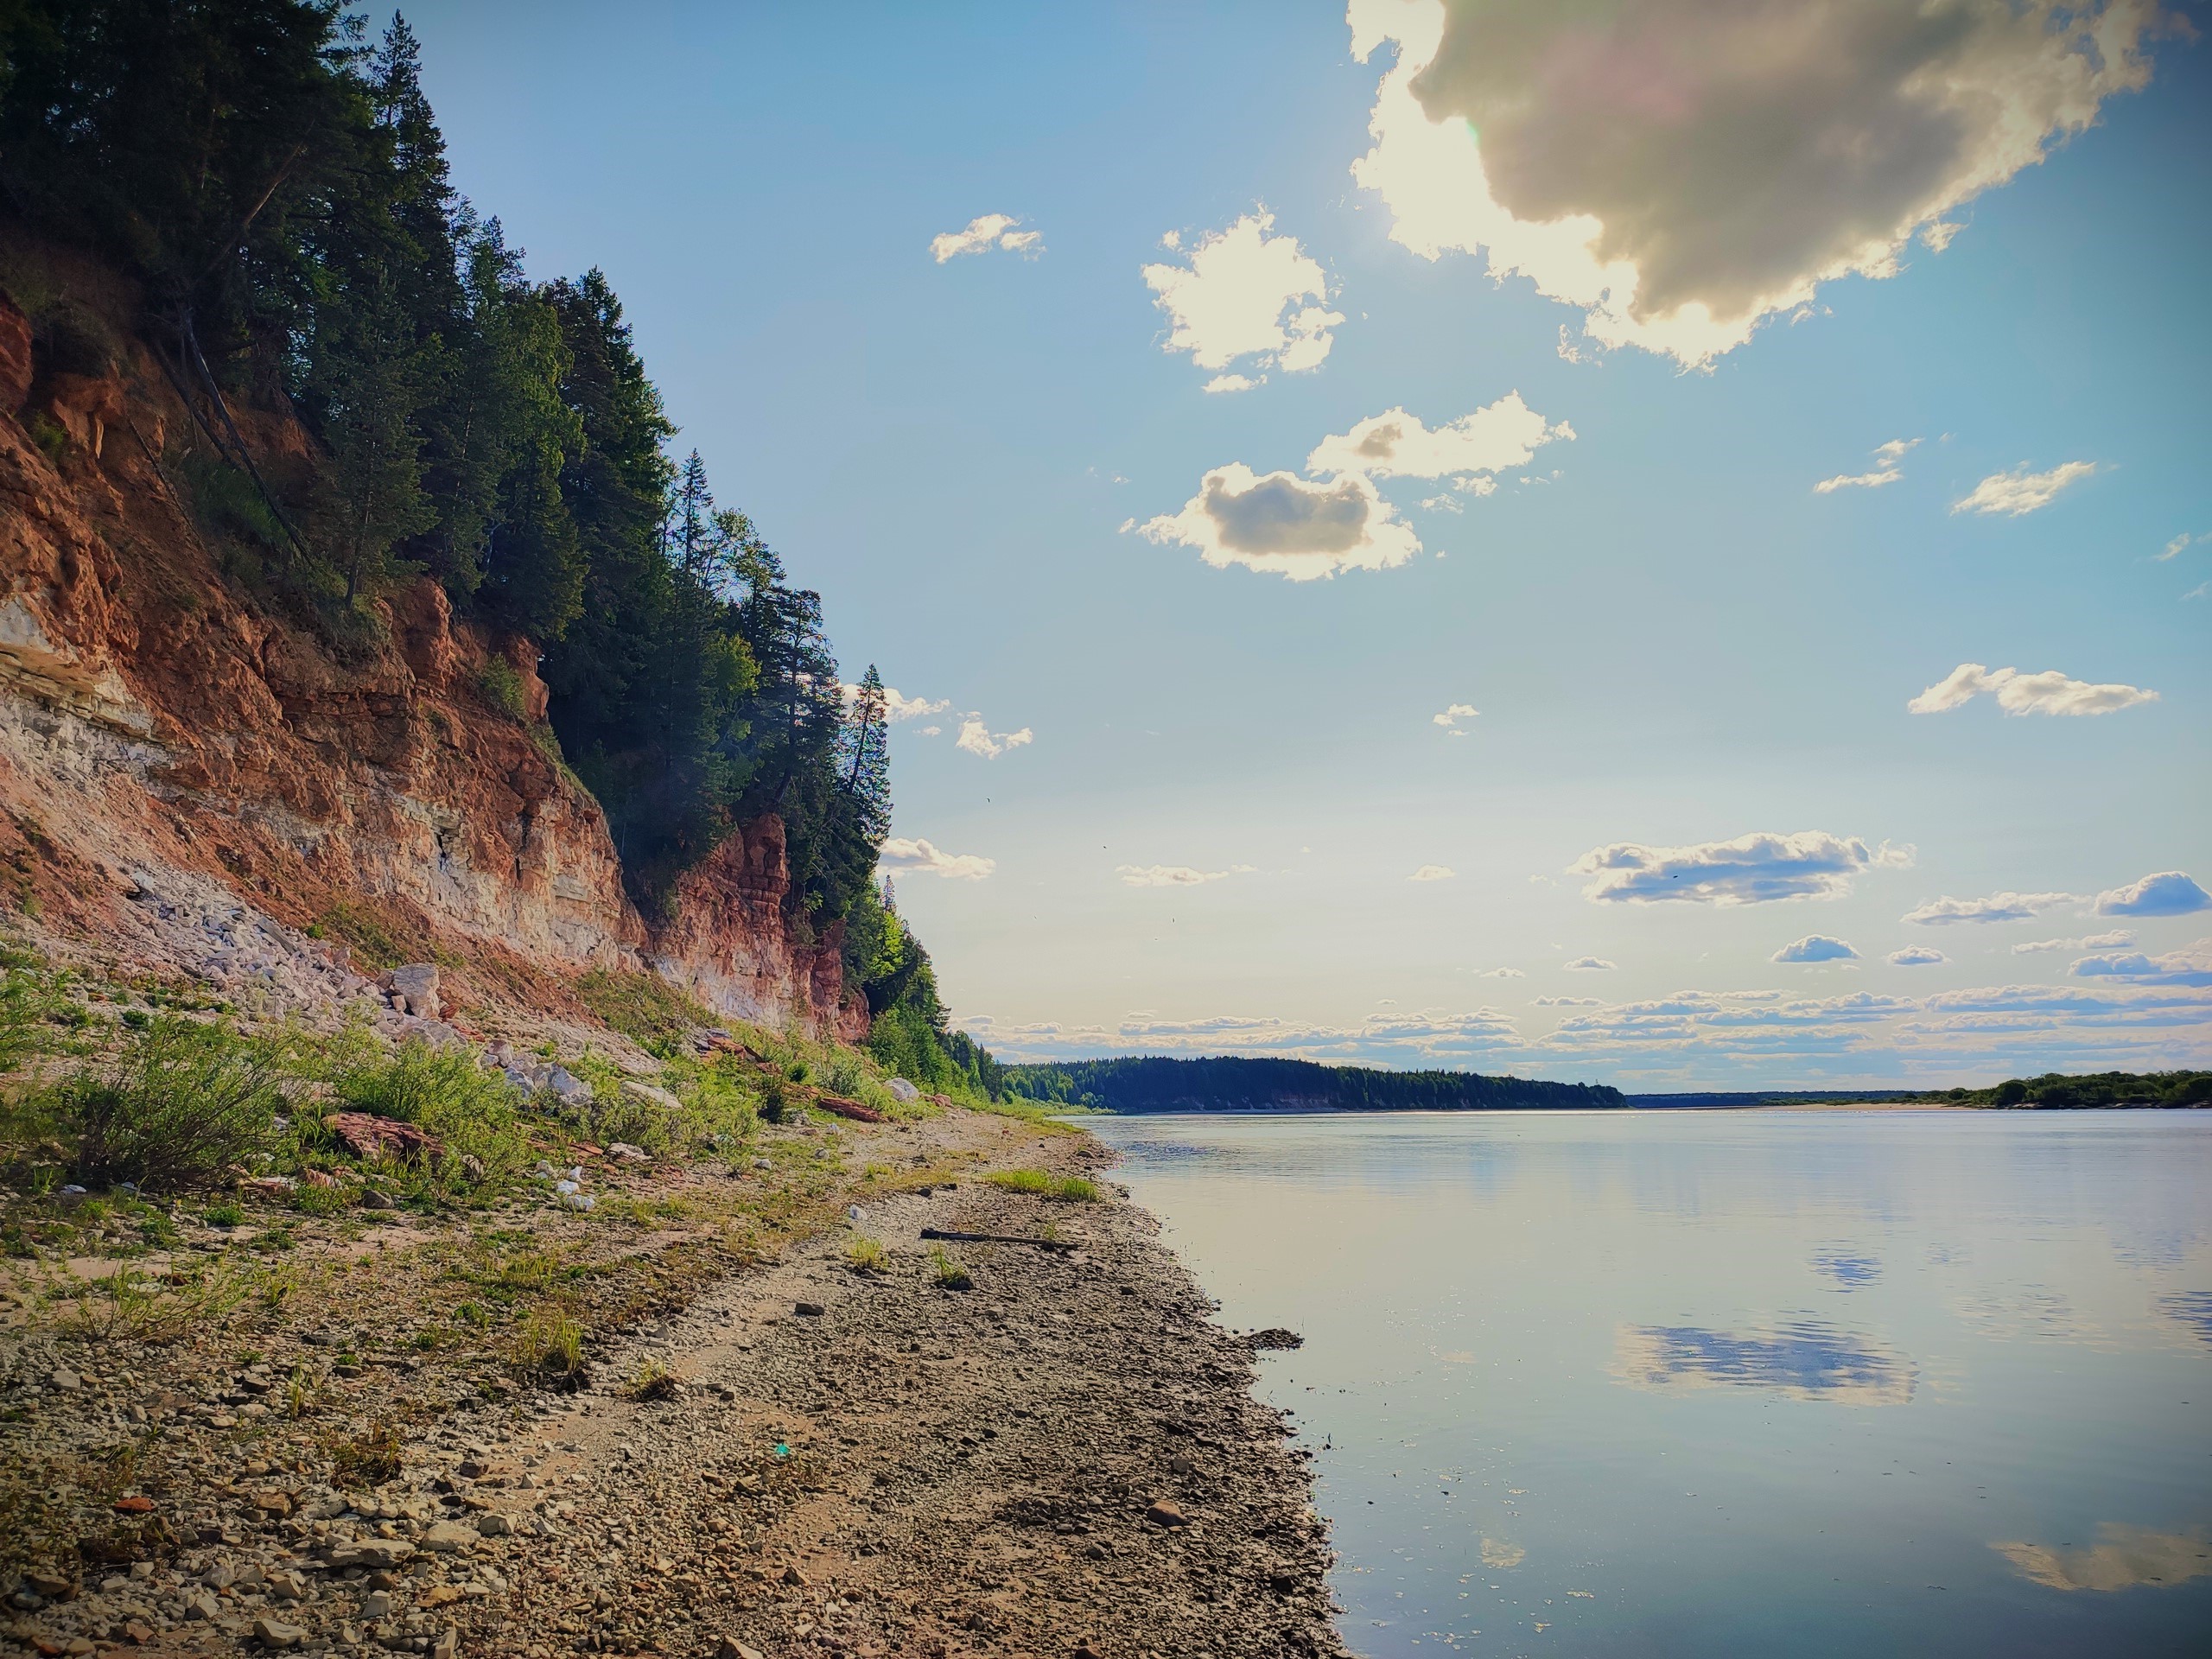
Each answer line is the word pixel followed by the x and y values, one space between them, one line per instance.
pixel 1669 1382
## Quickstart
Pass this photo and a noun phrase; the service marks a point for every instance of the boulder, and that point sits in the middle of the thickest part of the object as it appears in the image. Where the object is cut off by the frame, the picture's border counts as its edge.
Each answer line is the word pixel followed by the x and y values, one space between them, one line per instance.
pixel 902 1091
pixel 414 988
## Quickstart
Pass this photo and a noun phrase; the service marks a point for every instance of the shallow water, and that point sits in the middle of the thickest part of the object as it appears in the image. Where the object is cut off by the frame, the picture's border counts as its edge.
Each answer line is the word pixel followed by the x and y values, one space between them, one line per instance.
pixel 1730 1383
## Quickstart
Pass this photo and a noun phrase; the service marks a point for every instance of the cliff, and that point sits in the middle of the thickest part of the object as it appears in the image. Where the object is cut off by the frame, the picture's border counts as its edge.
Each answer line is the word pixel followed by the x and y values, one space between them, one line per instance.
pixel 193 782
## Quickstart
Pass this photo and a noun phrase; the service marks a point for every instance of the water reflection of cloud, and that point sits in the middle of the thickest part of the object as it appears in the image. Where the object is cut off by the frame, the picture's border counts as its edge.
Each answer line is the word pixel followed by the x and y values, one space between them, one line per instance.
pixel 1806 1360
pixel 1499 1554
pixel 1849 1272
pixel 2122 1558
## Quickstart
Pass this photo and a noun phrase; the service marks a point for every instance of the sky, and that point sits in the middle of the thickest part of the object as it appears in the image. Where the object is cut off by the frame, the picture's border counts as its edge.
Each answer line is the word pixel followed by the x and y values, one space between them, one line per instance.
pixel 1664 542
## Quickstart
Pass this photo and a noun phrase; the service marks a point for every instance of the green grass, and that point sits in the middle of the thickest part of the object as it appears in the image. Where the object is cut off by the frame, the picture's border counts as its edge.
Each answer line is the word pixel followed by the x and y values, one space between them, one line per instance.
pixel 949 1272
pixel 866 1254
pixel 644 1007
pixel 1066 1189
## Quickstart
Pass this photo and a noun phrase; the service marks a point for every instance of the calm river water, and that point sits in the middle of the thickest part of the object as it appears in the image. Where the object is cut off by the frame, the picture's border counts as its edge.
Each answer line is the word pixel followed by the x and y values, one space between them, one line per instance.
pixel 1730 1383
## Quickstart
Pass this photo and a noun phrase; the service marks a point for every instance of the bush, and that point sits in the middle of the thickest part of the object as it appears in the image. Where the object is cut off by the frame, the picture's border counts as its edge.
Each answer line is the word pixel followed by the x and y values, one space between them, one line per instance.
pixel 501 684
pixel 440 1088
pixel 176 1109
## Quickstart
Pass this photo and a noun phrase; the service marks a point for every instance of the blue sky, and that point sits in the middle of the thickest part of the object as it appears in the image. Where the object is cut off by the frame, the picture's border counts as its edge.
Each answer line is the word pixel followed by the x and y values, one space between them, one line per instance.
pixel 1209 840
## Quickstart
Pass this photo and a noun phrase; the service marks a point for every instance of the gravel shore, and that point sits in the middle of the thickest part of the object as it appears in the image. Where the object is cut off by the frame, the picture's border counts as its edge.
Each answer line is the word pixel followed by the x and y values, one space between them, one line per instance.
pixel 801 1456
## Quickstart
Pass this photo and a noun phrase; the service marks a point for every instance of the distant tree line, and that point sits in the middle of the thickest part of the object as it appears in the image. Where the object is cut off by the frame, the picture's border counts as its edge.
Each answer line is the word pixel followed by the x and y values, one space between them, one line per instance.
pixel 2053 1089
pixel 274 187
pixel 2095 1089
pixel 1232 1084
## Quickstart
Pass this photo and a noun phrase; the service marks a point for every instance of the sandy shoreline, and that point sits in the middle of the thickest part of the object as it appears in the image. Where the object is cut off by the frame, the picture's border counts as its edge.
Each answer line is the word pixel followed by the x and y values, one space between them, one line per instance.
pixel 911 1470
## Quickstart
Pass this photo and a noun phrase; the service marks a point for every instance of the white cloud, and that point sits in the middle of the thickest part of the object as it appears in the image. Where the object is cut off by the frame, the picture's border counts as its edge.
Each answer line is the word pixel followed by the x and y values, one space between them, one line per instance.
pixel 1570 1002
pixel 2203 589
pixel 2007 906
pixel 1455 714
pixel 2190 967
pixel 1886 470
pixel 1174 875
pixel 2168 893
pixel 1246 294
pixel 1917 955
pixel 1681 171
pixel 2048 693
pixel 1433 873
pixel 2033 1008
pixel 2021 490
pixel 1815 947
pixel 2176 546
pixel 2120 939
pixel 984 232
pixel 978 739
pixel 1233 383
pixel 1751 869
pixel 1393 444
pixel 1286 525
pixel 1589 965
pixel 1501 973
pixel 897 705
pixel 923 858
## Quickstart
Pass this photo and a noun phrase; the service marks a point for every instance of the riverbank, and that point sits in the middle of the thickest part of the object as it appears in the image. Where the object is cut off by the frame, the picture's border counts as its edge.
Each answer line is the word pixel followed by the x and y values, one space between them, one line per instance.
pixel 768 1450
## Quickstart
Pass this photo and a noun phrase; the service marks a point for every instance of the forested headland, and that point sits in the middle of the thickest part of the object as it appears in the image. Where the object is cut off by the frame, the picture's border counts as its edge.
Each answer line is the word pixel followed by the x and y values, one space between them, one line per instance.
pixel 269 189
pixel 1231 1083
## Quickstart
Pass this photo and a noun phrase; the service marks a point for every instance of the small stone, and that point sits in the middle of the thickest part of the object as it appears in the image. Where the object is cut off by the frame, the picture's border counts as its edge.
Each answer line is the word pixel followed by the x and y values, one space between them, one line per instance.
pixel 137 1632
pixel 792 1576
pixel 377 1605
pixel 134 1505
pixel 274 1633
pixel 64 1379
pixel 446 1537
pixel 275 1503
pixel 1167 1512
pixel 494 1525
pixel 730 1648
pixel 447 1646
pixel 1182 1464
pixel 808 1310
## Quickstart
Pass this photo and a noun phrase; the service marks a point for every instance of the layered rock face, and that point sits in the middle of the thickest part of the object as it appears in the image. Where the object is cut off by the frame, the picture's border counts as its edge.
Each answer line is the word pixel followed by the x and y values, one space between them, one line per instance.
pixel 173 748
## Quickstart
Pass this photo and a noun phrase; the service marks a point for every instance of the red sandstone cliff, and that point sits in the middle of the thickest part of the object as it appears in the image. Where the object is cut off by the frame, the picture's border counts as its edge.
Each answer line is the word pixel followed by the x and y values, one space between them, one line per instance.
pixel 171 749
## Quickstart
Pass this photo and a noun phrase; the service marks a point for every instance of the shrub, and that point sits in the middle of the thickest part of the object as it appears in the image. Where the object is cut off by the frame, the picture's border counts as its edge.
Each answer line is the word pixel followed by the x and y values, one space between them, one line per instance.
pixel 501 683
pixel 442 1091
pixel 181 1104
